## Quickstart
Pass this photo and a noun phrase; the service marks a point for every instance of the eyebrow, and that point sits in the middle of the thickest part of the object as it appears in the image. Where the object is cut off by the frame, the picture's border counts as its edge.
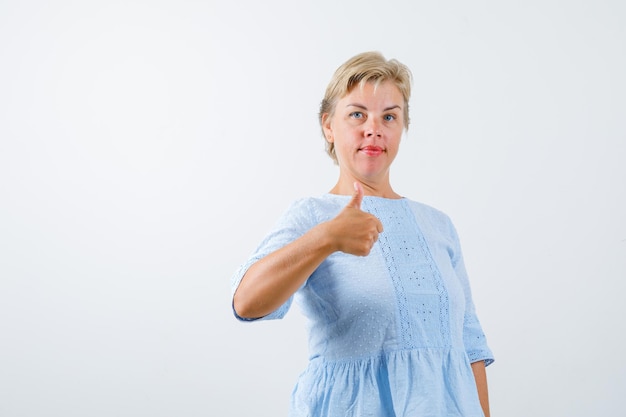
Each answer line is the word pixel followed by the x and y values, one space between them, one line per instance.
pixel 360 106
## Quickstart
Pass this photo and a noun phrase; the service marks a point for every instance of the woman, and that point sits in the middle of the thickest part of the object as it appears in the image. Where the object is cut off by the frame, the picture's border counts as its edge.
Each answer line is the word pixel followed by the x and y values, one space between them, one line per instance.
pixel 381 278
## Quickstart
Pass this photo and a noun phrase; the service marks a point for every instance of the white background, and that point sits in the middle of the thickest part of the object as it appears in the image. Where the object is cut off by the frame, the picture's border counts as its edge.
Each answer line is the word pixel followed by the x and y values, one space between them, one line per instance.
pixel 147 146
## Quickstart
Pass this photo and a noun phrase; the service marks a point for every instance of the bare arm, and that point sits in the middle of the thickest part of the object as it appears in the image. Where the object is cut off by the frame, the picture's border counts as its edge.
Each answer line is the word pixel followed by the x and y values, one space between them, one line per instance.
pixel 480 375
pixel 269 282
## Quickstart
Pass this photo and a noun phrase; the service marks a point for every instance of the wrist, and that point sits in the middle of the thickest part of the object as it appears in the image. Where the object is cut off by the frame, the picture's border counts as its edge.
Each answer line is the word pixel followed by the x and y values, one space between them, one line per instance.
pixel 323 237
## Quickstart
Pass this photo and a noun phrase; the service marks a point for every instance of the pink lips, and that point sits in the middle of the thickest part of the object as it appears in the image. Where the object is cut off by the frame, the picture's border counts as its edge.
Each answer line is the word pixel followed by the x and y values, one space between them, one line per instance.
pixel 372 150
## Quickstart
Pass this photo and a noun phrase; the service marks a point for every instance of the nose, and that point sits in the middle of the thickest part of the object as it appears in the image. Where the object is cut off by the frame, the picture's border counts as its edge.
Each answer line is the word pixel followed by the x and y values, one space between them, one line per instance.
pixel 372 129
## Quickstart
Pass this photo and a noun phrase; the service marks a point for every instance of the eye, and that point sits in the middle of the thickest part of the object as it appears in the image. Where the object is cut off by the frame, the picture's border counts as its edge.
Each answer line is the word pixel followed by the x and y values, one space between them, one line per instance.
pixel 356 115
pixel 389 117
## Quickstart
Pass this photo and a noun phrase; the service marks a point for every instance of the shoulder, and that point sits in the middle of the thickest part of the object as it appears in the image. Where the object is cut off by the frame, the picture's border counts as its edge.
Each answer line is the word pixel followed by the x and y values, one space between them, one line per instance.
pixel 429 213
pixel 312 210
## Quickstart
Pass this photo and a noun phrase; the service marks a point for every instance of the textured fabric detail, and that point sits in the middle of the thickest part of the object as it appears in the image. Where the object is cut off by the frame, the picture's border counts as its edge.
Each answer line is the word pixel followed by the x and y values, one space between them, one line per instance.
pixel 392 333
pixel 423 319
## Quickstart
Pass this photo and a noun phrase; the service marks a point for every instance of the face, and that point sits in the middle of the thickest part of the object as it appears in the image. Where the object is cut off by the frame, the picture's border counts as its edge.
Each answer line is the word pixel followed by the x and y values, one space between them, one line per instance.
pixel 365 129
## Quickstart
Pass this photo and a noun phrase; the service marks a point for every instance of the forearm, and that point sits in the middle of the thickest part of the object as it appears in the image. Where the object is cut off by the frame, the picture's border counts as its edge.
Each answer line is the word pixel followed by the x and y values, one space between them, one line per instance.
pixel 270 282
pixel 480 375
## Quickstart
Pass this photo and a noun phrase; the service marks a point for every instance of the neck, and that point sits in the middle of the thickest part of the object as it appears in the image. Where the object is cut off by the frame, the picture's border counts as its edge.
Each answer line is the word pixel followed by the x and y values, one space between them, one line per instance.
pixel 346 187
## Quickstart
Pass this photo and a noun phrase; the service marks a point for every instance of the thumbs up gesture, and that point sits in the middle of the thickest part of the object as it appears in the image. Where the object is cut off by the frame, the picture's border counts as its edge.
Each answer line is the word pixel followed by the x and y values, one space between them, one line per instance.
pixel 354 231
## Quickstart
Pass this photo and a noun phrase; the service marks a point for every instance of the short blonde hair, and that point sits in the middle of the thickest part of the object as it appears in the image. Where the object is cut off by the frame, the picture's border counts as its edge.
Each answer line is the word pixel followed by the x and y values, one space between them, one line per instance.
pixel 359 70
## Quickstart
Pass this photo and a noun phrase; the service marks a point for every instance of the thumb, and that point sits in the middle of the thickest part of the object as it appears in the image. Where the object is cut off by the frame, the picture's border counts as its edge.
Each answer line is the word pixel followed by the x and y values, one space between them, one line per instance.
pixel 357 197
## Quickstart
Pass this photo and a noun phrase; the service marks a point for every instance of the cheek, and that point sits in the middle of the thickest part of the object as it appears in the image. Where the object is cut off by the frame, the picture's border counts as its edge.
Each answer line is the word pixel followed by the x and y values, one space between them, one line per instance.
pixel 343 136
pixel 394 145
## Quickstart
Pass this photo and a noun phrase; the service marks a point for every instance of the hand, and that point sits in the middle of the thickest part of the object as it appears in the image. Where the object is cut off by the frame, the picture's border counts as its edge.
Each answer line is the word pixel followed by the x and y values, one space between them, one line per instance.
pixel 354 231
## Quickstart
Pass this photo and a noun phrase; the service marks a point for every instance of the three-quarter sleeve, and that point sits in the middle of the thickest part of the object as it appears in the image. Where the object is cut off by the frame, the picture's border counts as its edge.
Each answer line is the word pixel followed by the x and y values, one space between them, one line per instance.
pixel 473 336
pixel 296 221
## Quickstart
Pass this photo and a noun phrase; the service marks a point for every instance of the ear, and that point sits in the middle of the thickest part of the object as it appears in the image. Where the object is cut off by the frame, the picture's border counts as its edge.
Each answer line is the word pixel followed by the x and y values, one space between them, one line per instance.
pixel 328 131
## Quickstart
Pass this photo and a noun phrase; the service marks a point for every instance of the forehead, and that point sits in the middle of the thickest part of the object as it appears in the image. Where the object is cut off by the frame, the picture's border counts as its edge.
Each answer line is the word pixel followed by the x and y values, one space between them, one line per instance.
pixel 385 91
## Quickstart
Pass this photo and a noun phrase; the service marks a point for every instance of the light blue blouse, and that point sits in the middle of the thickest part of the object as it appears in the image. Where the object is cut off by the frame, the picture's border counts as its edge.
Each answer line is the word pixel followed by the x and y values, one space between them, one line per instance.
pixel 392 333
